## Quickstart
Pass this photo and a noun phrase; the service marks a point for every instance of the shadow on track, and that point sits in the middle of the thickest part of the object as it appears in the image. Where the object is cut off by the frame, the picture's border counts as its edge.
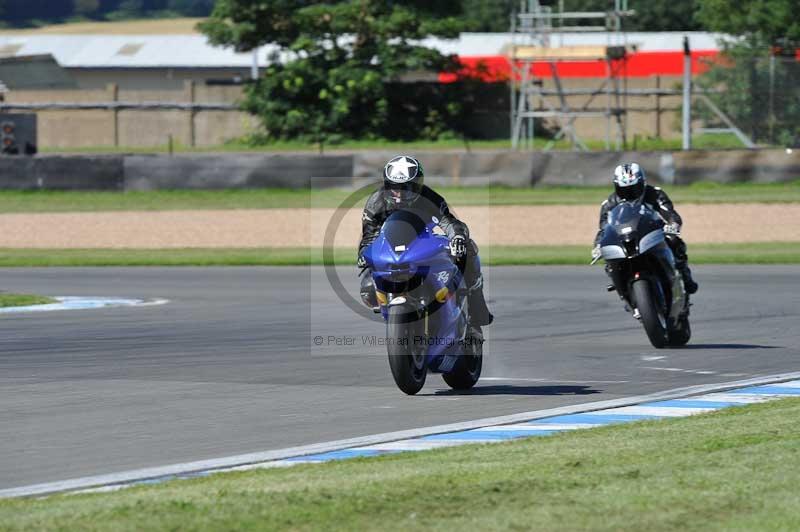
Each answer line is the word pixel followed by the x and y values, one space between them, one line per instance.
pixel 728 346
pixel 505 389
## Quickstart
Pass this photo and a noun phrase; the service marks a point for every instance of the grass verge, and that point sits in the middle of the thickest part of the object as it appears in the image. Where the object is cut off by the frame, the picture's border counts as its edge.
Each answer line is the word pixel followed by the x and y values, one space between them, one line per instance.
pixel 23 300
pixel 59 201
pixel 147 26
pixel 748 253
pixel 755 253
pixel 735 469
pixel 699 142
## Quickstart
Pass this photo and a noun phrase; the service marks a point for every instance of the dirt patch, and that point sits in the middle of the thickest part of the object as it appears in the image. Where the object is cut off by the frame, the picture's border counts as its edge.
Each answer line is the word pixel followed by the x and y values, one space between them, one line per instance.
pixel 501 225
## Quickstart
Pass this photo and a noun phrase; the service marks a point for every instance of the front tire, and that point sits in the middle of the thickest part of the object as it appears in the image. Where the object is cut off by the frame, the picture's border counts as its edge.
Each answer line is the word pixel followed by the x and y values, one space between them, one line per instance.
pixel 653 319
pixel 467 371
pixel 680 332
pixel 406 360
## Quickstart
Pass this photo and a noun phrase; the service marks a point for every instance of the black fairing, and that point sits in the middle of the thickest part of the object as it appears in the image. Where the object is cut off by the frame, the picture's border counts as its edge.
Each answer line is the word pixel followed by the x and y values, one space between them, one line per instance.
pixel 628 223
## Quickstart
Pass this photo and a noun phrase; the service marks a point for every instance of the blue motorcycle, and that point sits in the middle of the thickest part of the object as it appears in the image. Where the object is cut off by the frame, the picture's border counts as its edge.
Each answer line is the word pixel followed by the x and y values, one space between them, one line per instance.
pixel 421 296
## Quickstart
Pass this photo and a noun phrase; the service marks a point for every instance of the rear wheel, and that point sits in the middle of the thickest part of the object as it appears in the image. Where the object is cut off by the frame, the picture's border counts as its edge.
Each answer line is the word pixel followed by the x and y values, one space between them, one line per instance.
pixel 653 319
pixel 406 358
pixel 467 370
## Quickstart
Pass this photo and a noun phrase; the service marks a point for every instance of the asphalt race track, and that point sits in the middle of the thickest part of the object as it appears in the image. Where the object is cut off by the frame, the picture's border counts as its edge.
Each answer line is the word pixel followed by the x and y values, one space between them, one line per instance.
pixel 229 365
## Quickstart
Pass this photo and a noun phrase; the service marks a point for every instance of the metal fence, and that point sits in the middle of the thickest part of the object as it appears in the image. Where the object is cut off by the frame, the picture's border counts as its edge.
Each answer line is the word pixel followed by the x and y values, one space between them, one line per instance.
pixel 759 90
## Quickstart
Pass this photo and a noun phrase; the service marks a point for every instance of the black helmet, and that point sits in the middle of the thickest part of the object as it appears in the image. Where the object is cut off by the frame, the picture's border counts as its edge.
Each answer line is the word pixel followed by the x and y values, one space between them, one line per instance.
pixel 629 181
pixel 404 177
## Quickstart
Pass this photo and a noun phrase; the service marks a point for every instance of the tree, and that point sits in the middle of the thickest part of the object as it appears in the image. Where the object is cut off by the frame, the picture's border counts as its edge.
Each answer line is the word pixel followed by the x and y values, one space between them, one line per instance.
pixel 760 22
pixel 86 7
pixel 332 62
pixel 192 8
pixel 651 15
pixel 488 15
pixel 758 87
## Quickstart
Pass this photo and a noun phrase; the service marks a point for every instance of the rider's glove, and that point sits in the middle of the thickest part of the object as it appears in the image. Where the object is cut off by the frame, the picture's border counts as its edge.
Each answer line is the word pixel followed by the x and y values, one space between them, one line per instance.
pixel 672 229
pixel 361 262
pixel 458 246
pixel 596 252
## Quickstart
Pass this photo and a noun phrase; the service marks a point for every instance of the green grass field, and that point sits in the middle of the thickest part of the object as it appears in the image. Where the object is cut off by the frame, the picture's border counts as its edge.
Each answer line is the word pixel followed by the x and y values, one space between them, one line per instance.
pixel 149 26
pixel 22 300
pixel 699 142
pixel 757 253
pixel 736 469
pixel 57 201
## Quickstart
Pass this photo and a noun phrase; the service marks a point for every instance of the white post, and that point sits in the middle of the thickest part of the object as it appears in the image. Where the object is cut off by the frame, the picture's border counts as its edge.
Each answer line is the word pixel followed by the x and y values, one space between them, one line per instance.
pixel 687 95
pixel 254 66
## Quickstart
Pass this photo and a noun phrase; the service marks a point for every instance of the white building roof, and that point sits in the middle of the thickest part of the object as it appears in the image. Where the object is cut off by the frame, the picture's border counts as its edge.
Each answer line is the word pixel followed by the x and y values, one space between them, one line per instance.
pixel 194 51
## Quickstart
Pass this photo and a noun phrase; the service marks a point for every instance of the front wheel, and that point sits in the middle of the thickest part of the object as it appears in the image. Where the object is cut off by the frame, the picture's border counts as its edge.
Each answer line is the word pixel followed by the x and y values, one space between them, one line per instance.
pixel 467 370
pixel 680 332
pixel 653 319
pixel 406 357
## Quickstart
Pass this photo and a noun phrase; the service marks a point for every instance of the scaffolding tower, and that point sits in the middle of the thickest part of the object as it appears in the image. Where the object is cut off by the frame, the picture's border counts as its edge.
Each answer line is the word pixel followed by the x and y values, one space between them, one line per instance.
pixel 537 38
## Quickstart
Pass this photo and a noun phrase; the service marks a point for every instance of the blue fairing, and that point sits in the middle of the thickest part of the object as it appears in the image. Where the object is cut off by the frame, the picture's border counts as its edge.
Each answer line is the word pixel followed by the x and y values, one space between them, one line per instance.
pixel 409 259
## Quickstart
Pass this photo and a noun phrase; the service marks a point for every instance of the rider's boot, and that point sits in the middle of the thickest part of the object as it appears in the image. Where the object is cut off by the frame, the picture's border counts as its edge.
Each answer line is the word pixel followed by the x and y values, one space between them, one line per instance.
pixel 678 247
pixel 479 314
pixel 688 282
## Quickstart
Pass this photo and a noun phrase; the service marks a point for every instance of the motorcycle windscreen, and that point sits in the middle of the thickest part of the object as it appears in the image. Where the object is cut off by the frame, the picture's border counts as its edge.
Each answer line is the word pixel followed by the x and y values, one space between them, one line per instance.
pixel 620 233
pixel 402 228
pixel 625 215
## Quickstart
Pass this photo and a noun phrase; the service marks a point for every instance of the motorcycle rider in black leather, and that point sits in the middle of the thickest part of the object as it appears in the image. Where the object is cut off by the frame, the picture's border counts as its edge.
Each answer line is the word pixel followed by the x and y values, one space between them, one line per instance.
pixel 630 184
pixel 403 188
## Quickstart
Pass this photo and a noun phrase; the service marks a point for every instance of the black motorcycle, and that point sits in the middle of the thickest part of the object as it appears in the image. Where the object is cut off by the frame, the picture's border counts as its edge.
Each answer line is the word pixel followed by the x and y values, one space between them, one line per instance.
pixel 642 269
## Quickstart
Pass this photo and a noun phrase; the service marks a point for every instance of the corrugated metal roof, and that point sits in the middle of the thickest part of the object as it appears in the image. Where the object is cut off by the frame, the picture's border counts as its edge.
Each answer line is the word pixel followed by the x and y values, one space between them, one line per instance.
pixel 130 51
pixel 194 51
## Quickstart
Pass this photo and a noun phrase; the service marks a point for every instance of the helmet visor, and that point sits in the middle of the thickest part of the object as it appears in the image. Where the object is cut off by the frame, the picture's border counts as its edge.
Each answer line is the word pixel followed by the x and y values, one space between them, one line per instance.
pixel 404 194
pixel 631 192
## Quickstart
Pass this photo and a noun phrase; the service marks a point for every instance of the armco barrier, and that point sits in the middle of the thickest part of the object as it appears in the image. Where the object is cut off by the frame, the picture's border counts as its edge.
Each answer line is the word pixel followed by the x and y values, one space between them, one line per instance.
pixel 219 171
pixel 451 168
pixel 57 172
pixel 732 166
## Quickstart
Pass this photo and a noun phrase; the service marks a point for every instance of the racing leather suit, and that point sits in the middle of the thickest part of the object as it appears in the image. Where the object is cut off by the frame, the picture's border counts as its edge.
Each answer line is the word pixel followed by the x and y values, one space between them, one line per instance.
pixel 656 199
pixel 381 204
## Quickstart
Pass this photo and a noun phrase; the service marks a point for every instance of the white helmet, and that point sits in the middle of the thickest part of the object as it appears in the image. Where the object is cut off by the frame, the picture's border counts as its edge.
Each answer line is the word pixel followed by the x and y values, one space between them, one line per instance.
pixel 403 176
pixel 629 181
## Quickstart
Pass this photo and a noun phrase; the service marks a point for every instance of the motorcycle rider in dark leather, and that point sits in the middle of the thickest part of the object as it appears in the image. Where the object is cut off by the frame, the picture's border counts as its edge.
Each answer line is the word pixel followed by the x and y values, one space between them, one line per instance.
pixel 404 189
pixel 629 185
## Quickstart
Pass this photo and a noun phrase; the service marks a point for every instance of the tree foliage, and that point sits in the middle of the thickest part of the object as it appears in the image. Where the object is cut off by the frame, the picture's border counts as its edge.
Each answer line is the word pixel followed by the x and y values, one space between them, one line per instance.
pixel 754 84
pixel 28 12
pixel 476 15
pixel 760 22
pixel 334 61
pixel 651 15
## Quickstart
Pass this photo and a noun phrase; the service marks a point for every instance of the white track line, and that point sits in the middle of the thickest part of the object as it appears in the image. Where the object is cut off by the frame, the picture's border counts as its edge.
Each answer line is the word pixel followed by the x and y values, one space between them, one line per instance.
pixel 84 303
pixel 660 411
pixel 554 382
pixel 259 459
pixel 735 398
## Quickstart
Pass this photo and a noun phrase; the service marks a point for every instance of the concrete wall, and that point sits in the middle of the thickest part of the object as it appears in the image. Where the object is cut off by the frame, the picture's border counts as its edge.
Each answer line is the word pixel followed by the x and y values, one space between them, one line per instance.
pixel 519 169
pixel 649 116
pixel 151 78
pixel 65 129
